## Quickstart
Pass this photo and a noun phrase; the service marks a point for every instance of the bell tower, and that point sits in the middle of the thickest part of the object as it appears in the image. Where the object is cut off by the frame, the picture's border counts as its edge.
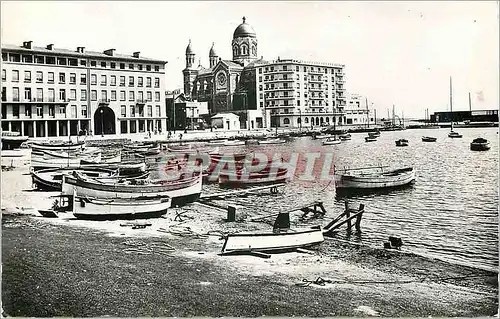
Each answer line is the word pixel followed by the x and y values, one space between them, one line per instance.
pixel 244 44
pixel 190 72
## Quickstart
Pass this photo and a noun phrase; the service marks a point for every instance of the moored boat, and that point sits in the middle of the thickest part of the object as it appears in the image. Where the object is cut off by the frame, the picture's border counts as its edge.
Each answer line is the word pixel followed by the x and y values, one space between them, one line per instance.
pixel 240 178
pixel 331 141
pixel 373 178
pixel 60 146
pixel 454 134
pixel 234 143
pixel 118 208
pixel 272 241
pixel 370 139
pixel 480 144
pixel 345 137
pixel 402 142
pixel 429 139
pixel 272 141
pixel 374 134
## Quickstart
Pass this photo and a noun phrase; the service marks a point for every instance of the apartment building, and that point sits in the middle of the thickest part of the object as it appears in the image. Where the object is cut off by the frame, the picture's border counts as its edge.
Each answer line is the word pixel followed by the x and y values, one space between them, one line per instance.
pixel 358 112
pixel 295 93
pixel 50 92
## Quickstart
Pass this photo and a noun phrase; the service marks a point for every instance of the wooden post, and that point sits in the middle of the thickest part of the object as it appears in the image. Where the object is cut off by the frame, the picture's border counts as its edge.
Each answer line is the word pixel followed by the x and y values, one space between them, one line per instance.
pixel 358 218
pixel 231 213
pixel 347 215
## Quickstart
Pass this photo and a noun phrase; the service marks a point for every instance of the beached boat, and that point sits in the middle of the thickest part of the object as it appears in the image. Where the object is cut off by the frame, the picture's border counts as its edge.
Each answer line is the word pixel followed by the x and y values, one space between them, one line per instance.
pixel 272 141
pixel 12 140
pixel 402 142
pixel 40 163
pixel 370 139
pixel 180 191
pixel 429 139
pixel 480 144
pixel 118 208
pixel 373 178
pixel 272 242
pixel 64 146
pixel 331 141
pixel 51 178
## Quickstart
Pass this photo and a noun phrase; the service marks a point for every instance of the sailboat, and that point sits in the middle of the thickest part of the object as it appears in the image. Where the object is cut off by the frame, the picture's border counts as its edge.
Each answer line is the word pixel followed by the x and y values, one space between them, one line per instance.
pixel 452 134
pixel 427 125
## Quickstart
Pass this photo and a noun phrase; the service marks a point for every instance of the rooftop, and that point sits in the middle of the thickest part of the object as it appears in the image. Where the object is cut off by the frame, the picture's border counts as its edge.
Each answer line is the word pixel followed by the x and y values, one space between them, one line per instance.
pixel 79 52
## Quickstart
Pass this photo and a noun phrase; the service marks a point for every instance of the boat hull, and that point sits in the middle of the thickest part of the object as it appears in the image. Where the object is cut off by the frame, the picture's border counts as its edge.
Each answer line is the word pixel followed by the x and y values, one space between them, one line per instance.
pixel 51 179
pixel 390 179
pixel 479 146
pixel 113 209
pixel 273 242
pixel 429 139
pixel 181 193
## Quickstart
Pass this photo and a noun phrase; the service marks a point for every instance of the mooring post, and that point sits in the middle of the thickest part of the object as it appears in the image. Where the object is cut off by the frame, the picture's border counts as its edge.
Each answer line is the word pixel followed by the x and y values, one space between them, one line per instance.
pixel 231 213
pixel 358 218
pixel 347 215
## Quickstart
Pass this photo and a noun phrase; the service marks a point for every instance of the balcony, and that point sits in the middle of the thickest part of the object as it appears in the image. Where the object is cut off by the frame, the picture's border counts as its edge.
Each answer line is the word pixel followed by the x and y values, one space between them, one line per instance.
pixel 315 81
pixel 141 101
pixel 315 72
pixel 289 88
pixel 339 74
pixel 104 102
pixel 316 89
pixel 34 100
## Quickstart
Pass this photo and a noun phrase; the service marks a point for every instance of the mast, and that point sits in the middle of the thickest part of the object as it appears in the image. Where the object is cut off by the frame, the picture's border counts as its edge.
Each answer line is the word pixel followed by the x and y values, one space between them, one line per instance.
pixel 451 105
pixel 393 119
pixel 470 105
pixel 367 112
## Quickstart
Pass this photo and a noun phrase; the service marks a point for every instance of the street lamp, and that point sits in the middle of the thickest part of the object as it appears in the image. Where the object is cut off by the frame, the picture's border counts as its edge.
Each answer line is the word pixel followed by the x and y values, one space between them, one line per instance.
pixel 102 123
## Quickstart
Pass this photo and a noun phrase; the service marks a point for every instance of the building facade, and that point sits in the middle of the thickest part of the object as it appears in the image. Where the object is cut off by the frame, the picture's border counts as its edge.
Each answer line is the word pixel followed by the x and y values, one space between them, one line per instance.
pixel 58 92
pixel 357 111
pixel 283 93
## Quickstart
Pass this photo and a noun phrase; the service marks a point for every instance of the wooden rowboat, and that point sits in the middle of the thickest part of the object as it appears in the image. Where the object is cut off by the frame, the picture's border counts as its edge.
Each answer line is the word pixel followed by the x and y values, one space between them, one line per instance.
pixel 67 146
pixel 480 144
pixel 253 178
pixel 180 191
pixel 272 242
pixel 367 178
pixel 51 178
pixel 118 208
pixel 429 139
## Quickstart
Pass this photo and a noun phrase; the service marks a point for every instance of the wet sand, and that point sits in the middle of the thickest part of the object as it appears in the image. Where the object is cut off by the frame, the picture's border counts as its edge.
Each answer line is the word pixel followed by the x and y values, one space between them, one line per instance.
pixel 67 267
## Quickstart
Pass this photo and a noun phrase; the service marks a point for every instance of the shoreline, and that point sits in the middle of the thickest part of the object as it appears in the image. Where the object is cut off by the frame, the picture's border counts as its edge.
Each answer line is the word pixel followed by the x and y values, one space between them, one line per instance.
pixel 59 248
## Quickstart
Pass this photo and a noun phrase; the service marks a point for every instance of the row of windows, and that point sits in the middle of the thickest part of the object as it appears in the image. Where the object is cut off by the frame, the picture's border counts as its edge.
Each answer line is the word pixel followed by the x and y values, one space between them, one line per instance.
pixel 134 109
pixel 297 69
pixel 83 79
pixel 285 77
pixel 286 103
pixel 41 59
pixel 83 95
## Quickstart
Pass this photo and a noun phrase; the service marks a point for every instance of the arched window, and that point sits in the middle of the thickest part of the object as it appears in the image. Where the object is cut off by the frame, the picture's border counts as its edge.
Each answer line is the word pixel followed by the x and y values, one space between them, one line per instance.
pixel 298 121
pixel 286 121
pixel 312 121
pixel 327 119
pixel 235 50
pixel 317 120
pixel 254 50
pixel 244 49
pixel 306 120
pixel 321 120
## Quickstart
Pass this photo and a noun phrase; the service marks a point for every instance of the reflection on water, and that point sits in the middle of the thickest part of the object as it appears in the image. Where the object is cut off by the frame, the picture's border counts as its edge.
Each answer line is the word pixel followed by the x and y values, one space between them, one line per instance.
pixel 451 211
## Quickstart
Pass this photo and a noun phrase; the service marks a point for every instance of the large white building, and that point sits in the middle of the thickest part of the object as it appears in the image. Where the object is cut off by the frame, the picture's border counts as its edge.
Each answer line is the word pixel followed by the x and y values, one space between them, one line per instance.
pixel 58 92
pixel 284 93
pixel 358 112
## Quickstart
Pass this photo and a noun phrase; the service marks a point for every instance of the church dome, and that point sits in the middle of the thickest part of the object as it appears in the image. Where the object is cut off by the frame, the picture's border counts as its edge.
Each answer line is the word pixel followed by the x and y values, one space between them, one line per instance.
pixel 244 30
pixel 212 51
pixel 189 49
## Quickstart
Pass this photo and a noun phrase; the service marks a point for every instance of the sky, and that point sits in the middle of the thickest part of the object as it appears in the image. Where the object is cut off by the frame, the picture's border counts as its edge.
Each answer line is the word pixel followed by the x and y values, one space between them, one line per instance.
pixel 395 53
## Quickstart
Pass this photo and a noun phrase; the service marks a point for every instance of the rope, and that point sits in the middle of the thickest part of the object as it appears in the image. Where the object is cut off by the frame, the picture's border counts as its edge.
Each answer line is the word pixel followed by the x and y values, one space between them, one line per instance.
pixel 322 282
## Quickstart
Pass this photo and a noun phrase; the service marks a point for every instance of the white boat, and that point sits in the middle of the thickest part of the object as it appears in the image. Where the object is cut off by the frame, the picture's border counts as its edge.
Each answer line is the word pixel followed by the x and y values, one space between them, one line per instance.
pixel 181 191
pixel 64 146
pixel 272 242
pixel 370 139
pixel 234 143
pixel 272 141
pixel 118 208
pixel 320 137
pixel 480 144
pixel 333 141
pixel 373 178
pixel 40 162
pixel 452 133
pixel 402 142
pixel 345 137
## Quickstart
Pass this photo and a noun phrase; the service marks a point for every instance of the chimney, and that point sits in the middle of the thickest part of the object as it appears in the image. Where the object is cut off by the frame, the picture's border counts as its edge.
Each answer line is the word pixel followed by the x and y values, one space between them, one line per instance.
pixel 27 44
pixel 80 49
pixel 136 54
pixel 110 52
pixel 50 47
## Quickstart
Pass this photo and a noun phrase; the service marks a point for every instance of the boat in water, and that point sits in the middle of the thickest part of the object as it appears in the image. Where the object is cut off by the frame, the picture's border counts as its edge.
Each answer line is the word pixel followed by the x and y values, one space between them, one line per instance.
pixel 480 144
pixel 181 191
pixel 272 241
pixel 402 142
pixel 240 178
pixel 234 143
pixel 374 134
pixel 331 141
pixel 429 139
pixel 373 178
pixel 272 141
pixel 452 133
pixel 345 137
pixel 89 208
pixel 370 139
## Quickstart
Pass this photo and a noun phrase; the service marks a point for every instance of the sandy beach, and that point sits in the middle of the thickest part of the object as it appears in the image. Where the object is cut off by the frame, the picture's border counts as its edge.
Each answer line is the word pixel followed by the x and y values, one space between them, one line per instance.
pixel 68 267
